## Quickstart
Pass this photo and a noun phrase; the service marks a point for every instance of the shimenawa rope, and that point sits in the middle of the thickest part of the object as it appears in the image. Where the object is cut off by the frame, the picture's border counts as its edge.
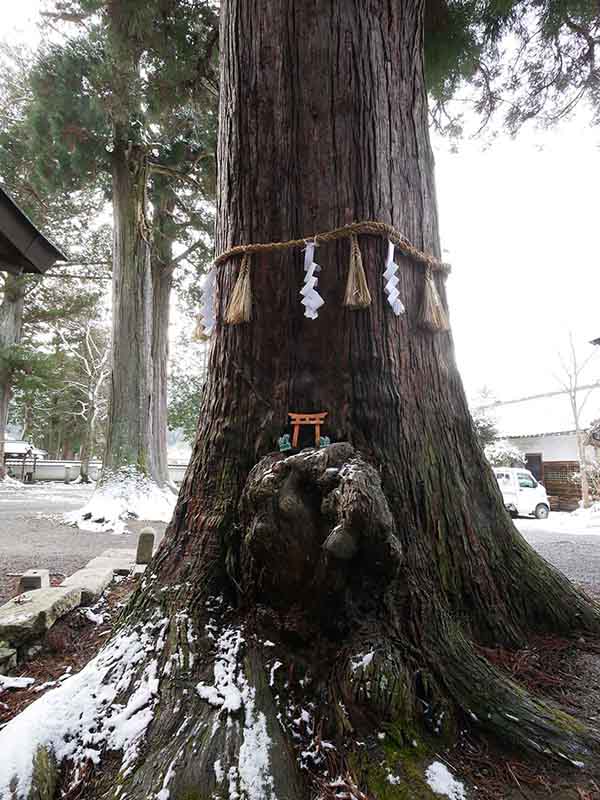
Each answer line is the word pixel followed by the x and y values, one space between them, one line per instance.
pixel 432 314
pixel 368 227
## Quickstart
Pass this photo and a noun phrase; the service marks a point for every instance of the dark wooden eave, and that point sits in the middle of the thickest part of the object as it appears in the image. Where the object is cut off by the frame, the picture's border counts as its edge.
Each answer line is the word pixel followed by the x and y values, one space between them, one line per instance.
pixel 23 248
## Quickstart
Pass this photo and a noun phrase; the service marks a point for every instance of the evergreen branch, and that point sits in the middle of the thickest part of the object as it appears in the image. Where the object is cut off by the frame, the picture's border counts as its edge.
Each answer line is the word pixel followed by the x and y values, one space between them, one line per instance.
pixel 161 169
pixel 182 256
pixel 66 16
pixel 79 276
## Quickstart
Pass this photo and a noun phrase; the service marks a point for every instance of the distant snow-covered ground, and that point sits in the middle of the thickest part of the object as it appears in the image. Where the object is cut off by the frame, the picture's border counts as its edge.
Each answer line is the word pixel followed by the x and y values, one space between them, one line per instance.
pixel 98 510
pixel 580 522
pixel 44 493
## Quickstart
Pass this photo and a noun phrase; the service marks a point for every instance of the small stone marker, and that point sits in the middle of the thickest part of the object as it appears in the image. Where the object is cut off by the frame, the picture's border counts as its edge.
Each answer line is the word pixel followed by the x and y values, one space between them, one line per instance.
pixel 8 658
pixel 34 579
pixel 145 546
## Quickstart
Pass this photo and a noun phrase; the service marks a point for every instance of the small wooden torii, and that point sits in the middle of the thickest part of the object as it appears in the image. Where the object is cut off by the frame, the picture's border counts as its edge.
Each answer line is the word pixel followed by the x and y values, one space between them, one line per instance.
pixel 306 419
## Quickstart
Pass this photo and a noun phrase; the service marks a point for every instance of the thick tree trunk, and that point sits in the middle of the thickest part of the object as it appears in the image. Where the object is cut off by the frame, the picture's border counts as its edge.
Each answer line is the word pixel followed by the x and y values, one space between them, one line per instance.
pixel 11 323
pixel 129 434
pixel 323 121
pixel 298 606
pixel 162 283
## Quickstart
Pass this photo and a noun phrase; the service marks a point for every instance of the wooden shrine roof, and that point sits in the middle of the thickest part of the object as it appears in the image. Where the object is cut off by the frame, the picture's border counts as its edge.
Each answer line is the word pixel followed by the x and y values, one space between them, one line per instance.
pixel 23 248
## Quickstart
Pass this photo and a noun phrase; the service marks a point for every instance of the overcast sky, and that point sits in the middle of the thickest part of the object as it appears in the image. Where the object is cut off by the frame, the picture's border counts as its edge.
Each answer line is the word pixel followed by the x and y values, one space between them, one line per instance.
pixel 520 225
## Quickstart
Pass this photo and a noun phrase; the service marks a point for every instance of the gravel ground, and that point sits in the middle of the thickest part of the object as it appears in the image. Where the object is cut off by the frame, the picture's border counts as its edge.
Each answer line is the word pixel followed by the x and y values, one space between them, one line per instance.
pixel 32 533
pixel 575 551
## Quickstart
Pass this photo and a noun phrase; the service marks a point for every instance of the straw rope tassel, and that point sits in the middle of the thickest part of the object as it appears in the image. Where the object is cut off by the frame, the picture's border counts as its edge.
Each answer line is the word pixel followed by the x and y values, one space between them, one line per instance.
pixel 357 291
pixel 432 314
pixel 240 304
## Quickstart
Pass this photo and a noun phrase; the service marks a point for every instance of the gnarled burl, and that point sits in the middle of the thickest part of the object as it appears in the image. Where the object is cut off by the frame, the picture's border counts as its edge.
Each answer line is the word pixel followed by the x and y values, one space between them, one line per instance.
pixel 317 535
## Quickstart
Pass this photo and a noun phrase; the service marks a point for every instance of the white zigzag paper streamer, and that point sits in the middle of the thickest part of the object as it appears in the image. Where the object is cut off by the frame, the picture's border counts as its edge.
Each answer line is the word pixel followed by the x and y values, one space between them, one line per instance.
pixel 391 282
pixel 208 315
pixel 311 299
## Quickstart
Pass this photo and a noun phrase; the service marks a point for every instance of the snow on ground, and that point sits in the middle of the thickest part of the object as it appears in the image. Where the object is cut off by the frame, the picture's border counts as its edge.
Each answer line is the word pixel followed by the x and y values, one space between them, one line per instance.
pixel 8 484
pixel 441 781
pixel 8 682
pixel 128 495
pixel 582 521
pixel 80 718
pixel 54 492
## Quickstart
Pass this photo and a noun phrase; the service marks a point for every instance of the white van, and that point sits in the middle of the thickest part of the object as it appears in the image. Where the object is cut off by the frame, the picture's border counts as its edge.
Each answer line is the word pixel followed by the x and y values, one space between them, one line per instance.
pixel 521 493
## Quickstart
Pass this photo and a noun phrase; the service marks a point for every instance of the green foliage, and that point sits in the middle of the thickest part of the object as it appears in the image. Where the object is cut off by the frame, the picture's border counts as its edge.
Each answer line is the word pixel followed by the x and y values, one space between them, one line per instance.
pixel 185 394
pixel 51 396
pixel 27 363
pixel 453 48
pixel 69 129
pixel 524 58
pixel 483 421
pixel 142 72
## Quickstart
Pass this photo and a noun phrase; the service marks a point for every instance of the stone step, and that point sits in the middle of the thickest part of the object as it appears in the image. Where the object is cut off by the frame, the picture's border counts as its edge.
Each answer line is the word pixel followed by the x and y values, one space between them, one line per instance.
pixel 120 553
pixel 120 566
pixel 91 581
pixel 31 614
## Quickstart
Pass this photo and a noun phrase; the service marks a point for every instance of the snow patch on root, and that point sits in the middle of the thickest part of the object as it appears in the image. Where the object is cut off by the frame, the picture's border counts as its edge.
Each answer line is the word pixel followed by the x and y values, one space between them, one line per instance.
pixel 441 781
pixel 123 496
pixel 230 692
pixel 83 716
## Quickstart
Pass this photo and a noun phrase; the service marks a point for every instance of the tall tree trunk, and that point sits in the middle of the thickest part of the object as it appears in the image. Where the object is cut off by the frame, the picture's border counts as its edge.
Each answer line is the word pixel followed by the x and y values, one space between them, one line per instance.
pixel 87 444
pixel 300 605
pixel 11 323
pixel 162 283
pixel 129 434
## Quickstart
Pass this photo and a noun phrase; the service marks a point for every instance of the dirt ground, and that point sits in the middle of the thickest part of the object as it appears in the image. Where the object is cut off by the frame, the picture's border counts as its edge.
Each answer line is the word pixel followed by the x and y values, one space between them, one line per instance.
pixel 33 534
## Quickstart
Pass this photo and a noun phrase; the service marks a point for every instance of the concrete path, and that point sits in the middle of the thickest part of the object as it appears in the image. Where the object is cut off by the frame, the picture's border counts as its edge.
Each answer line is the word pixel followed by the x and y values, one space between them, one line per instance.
pixel 32 533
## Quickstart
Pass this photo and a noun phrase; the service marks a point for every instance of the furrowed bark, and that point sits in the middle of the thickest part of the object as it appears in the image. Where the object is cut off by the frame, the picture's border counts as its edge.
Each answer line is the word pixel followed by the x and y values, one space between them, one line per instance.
pixel 162 283
pixel 129 434
pixel 323 121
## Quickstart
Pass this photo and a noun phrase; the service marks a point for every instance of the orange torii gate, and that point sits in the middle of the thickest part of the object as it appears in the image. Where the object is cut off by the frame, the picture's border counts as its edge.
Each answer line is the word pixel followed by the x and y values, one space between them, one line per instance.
pixel 306 419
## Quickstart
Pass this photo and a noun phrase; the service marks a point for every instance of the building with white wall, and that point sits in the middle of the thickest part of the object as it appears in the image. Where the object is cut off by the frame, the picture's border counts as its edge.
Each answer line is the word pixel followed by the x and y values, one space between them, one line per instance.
pixel 543 428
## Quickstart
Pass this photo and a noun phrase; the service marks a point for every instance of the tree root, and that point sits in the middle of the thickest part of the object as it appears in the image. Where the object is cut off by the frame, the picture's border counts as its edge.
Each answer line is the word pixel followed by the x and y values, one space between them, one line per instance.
pixel 236 713
pixel 500 706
